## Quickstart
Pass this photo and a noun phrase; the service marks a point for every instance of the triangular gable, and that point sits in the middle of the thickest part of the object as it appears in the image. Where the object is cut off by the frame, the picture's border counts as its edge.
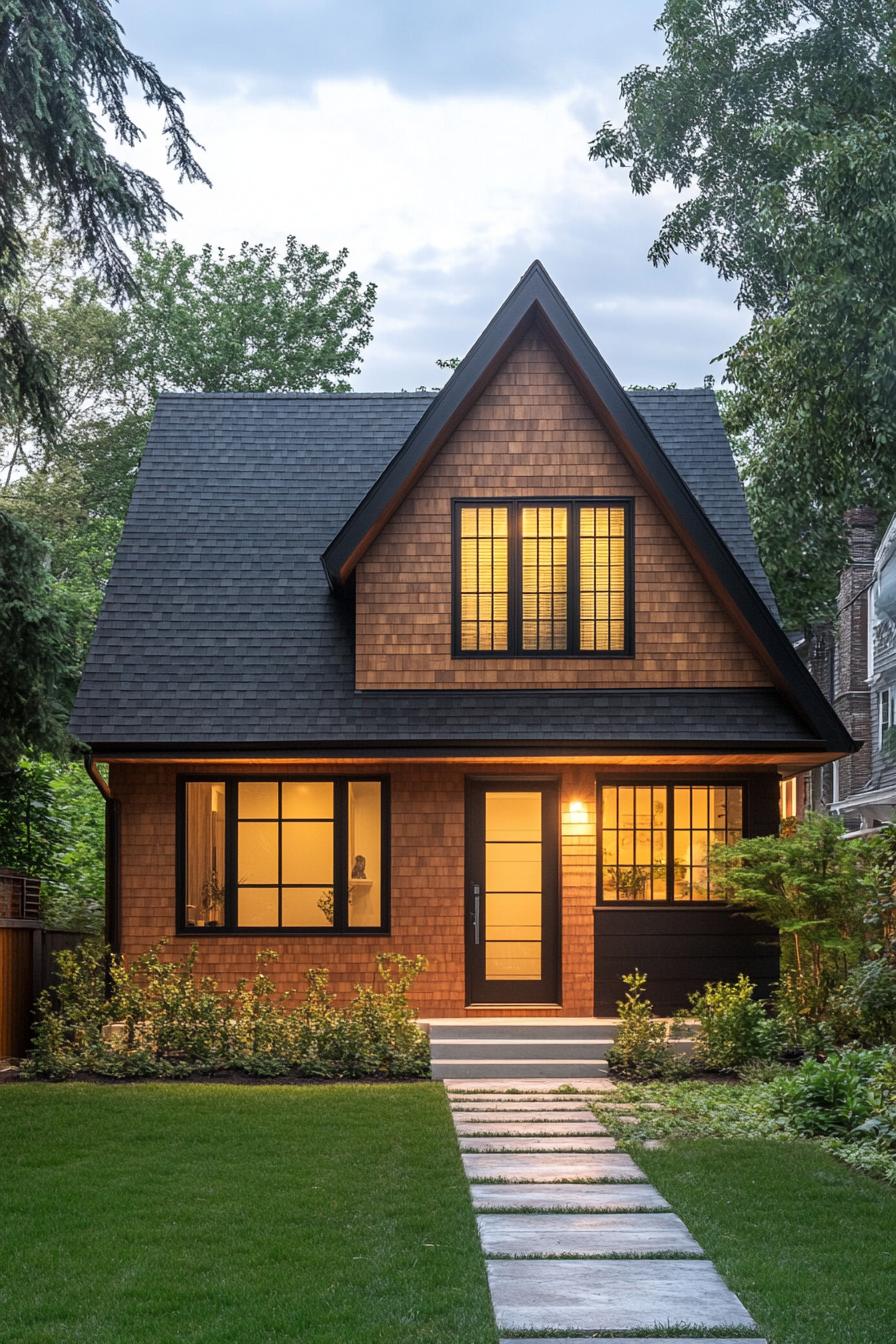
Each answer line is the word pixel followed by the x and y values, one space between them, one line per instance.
pixel 536 300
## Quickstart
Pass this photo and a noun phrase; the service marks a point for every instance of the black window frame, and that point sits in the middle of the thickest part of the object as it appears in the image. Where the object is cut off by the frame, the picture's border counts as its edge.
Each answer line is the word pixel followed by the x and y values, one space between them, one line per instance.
pixel 514 506
pixel 340 927
pixel 669 784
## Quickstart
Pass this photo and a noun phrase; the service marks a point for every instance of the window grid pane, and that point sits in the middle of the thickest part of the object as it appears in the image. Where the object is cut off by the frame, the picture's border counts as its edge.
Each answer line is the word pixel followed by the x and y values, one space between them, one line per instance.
pixel 484 579
pixel 704 815
pixel 544 541
pixel 295 841
pixel 634 843
pixel 205 875
pixel 601 579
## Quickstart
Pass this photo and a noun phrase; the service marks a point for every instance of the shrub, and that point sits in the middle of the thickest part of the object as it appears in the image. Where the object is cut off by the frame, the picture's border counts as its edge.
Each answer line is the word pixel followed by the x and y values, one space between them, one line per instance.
pixel 157 1018
pixel 641 1047
pixel 864 1008
pixel 815 890
pixel 733 1027
pixel 835 1096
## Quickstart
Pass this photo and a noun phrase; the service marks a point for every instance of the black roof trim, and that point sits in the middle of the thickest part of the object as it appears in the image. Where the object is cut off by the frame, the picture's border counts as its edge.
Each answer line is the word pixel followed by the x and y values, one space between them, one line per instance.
pixel 537 299
pixel 463 747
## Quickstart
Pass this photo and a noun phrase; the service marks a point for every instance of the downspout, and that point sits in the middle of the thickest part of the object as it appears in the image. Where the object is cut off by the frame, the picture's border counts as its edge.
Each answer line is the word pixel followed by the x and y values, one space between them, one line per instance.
pixel 112 857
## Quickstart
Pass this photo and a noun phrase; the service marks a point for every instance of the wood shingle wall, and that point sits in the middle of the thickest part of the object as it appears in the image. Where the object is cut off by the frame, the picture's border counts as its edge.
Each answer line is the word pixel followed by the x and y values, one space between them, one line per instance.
pixel 531 434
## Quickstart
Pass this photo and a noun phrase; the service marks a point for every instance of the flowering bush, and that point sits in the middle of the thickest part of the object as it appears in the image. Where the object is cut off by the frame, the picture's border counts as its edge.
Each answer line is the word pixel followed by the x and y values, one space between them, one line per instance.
pixel 157 1018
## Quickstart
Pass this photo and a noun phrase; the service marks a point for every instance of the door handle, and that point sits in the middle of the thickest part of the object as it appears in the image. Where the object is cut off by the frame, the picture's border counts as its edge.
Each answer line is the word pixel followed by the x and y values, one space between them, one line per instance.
pixel 477 898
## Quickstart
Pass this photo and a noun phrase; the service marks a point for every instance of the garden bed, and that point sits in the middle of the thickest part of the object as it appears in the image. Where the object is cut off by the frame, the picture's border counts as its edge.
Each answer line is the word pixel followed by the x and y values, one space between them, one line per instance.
pixel 232 1077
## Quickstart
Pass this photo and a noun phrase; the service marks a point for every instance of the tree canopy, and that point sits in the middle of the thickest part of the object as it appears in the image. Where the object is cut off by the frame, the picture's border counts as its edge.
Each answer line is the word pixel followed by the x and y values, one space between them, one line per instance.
pixel 777 121
pixel 65 70
pixel 252 321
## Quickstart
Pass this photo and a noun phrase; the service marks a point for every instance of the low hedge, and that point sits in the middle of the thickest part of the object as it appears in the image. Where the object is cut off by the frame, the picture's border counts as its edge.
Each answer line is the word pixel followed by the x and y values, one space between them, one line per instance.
pixel 156 1018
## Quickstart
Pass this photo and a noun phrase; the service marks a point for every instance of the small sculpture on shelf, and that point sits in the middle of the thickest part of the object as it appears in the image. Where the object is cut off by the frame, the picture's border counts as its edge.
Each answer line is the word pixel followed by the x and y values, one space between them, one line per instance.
pixel 359 867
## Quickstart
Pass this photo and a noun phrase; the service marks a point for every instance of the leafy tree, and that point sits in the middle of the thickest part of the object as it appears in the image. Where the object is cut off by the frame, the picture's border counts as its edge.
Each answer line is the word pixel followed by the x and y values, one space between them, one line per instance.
pixel 253 321
pixel 776 119
pixel 814 889
pixel 37 671
pixel 63 62
pixel 52 826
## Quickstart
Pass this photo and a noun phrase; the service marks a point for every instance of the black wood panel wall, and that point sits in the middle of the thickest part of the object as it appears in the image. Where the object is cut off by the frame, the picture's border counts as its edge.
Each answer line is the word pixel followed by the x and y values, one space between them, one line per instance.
pixel 679 950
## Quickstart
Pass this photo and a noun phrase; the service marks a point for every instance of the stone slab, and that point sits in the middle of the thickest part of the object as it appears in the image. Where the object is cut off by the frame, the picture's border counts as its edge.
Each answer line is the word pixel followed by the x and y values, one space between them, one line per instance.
pixel 527 1102
pixel 584 1234
pixel 551 1167
pixel 571 1196
pixel 537 1143
pixel 528 1127
pixel 525 1112
pixel 611 1295
pixel 519 1113
pixel 602 1085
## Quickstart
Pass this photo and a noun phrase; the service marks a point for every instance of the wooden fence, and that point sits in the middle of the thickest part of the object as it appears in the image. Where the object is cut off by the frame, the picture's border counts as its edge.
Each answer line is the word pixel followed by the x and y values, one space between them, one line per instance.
pixel 27 950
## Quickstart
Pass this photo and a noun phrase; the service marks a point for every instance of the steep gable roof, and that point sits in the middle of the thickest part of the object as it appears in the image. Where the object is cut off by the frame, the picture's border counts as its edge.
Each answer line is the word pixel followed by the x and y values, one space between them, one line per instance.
pixel 219 630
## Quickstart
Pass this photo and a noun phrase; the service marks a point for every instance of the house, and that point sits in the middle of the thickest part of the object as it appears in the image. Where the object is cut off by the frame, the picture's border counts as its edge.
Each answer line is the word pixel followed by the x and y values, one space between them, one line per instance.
pixel 854 661
pixel 481 675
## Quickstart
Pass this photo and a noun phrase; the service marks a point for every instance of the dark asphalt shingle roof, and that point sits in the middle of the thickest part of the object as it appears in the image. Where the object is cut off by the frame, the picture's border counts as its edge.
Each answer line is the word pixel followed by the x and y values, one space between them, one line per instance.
pixel 218 626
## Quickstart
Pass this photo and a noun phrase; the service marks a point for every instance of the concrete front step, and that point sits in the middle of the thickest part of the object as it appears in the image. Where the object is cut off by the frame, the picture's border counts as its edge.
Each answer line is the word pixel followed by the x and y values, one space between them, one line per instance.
pixel 527 1067
pixel 521 1047
pixel 525 1028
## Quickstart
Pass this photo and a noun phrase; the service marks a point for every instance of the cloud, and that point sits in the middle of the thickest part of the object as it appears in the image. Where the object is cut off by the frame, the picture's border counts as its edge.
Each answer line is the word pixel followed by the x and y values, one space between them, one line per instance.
pixel 425 50
pixel 444 201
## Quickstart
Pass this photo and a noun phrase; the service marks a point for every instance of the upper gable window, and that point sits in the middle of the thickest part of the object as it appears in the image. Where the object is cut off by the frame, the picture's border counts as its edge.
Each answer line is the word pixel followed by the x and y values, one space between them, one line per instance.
pixel 543 577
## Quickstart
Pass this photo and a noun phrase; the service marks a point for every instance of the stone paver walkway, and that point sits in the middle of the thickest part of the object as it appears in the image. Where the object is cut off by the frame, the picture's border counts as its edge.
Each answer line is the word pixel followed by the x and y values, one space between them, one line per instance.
pixel 574 1235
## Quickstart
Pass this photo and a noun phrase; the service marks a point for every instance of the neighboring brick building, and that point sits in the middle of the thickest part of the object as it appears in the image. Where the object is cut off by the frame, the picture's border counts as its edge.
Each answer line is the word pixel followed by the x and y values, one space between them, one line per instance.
pixel 854 662
pixel 482 676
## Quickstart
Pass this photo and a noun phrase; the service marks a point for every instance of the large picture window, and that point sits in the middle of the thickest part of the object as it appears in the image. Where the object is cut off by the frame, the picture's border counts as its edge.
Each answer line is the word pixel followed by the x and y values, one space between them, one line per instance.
pixel 543 577
pixel 657 839
pixel 303 855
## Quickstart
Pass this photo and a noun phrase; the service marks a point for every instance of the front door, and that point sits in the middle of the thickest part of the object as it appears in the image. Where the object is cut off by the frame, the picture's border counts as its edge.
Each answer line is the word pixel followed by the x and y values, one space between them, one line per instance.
pixel 512 891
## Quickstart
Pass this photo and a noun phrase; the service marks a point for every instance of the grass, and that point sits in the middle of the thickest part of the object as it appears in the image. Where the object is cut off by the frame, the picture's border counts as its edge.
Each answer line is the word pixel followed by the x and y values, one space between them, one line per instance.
pixel 806 1242
pixel 236 1215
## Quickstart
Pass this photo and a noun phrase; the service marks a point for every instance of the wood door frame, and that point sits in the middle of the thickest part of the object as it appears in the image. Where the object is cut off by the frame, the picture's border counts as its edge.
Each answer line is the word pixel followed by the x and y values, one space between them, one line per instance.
pixel 547 991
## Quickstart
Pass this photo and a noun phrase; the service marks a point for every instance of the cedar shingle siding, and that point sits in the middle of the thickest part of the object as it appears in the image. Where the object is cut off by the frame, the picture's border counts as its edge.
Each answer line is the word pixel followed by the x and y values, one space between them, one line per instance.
pixel 531 434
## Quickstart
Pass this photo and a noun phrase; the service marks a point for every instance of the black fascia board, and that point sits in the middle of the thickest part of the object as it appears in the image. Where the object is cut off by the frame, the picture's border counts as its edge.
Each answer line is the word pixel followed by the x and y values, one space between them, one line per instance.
pixel 537 299
pixel 360 748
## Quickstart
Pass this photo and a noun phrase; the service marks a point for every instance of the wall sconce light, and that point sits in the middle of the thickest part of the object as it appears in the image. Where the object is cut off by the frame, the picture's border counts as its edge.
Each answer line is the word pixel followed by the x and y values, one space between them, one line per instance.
pixel 577 810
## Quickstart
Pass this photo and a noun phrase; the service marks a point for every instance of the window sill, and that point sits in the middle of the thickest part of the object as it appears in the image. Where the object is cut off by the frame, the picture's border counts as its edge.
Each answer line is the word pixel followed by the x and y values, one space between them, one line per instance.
pixel 282 933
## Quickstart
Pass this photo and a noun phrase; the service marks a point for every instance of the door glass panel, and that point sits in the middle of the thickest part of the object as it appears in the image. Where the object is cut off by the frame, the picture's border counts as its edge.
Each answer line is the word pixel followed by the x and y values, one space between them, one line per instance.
pixel 513 886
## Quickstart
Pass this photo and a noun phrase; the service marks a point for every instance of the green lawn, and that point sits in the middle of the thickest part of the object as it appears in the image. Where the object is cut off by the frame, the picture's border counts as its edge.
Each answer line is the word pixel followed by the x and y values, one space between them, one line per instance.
pixel 808 1244
pixel 153 1213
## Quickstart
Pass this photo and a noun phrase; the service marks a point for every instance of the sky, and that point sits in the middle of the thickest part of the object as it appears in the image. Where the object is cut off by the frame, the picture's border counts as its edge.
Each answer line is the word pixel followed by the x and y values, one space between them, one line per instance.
pixel 446 146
